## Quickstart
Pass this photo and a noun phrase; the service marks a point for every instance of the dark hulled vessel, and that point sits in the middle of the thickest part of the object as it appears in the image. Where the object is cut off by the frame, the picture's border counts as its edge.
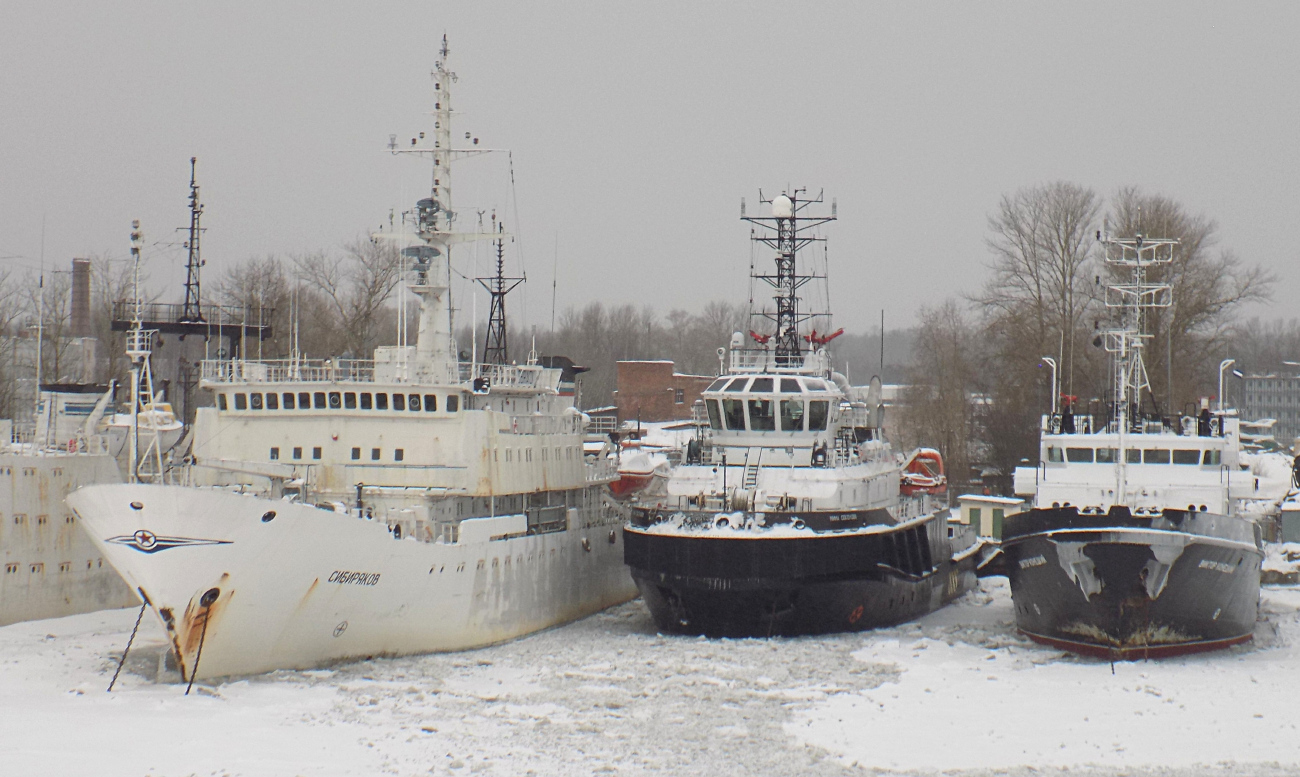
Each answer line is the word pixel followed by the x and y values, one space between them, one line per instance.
pixel 785 516
pixel 1135 547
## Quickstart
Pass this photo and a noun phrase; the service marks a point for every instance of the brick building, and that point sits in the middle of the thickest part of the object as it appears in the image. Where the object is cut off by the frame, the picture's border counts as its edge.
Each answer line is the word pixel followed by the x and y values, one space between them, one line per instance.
pixel 652 391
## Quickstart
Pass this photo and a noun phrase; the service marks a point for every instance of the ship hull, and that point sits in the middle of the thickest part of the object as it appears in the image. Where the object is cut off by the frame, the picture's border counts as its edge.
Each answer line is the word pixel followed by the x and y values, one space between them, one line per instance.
pixel 51 568
pixel 259 585
pixel 753 586
pixel 1124 587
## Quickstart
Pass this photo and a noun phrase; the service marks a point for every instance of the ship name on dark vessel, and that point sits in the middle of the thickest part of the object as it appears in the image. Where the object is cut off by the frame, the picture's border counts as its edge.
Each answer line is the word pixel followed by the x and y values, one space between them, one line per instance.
pixel 343 577
pixel 1034 561
pixel 1217 566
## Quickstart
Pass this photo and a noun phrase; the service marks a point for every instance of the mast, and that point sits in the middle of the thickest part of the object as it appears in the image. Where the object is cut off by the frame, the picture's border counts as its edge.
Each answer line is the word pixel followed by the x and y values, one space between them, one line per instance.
pixel 495 348
pixel 429 274
pixel 785 232
pixel 1126 342
pixel 193 311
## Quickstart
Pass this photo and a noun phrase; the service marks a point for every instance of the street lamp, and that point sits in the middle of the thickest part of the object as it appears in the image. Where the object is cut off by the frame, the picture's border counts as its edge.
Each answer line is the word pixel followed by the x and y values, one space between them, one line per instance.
pixel 1223 365
pixel 1050 362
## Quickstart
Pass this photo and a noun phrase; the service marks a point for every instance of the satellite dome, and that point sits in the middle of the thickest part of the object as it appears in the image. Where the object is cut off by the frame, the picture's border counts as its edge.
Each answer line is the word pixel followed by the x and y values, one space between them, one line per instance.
pixel 782 207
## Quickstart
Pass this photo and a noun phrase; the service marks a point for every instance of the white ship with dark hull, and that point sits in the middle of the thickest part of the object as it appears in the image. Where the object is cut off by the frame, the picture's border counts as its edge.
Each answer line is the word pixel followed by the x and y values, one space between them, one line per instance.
pixel 1135 546
pixel 343 509
pixel 786 515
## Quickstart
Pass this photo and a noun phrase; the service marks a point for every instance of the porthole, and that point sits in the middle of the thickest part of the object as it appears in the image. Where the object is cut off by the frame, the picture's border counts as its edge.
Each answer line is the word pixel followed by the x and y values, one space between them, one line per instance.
pixel 137 505
pixel 268 516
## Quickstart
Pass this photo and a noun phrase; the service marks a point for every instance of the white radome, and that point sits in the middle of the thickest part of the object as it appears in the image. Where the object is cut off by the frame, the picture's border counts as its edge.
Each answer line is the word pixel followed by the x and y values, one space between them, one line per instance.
pixel 782 207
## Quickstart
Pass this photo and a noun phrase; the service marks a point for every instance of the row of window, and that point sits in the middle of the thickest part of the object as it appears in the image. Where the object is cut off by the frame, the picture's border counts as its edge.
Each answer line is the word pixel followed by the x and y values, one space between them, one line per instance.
pixel 21 518
pixel 779 385
pixel 336 400
pixel 1133 456
pixel 731 413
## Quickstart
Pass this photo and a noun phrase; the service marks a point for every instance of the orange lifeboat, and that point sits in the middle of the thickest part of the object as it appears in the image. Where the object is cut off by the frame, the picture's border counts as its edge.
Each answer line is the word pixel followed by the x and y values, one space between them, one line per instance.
pixel 923 473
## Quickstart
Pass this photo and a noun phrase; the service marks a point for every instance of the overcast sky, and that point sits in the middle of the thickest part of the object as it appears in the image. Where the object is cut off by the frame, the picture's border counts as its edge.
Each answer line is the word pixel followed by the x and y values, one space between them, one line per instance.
pixel 636 128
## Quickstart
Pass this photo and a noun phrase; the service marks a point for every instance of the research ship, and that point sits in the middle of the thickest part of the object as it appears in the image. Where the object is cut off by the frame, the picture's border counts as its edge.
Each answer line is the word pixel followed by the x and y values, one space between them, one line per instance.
pixel 343 508
pixel 1134 546
pixel 785 515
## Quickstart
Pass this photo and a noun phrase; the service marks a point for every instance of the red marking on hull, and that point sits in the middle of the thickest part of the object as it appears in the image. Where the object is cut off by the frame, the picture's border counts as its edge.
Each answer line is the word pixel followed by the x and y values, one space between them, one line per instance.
pixel 1136 652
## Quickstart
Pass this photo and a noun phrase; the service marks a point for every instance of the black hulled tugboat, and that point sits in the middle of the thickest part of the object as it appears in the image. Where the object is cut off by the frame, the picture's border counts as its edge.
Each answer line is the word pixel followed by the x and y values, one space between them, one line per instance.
pixel 1134 547
pixel 785 516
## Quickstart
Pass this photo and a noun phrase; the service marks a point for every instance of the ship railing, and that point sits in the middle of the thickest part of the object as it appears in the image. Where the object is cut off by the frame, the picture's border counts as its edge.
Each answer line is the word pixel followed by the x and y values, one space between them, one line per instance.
pixel 29 439
pixel 766 360
pixel 601 470
pixel 602 424
pixel 288 371
pixel 501 375
pixel 1087 423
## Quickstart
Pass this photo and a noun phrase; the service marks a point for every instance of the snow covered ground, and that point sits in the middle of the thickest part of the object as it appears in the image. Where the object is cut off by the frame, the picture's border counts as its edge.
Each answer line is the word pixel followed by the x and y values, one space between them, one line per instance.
pixel 956 693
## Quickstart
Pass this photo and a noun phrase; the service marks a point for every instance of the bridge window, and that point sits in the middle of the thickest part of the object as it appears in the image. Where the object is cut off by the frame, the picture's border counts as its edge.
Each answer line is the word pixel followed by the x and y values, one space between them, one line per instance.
pixel 790 386
pixel 381 401
pixel 275 454
pixel 1055 455
pixel 350 400
pixel 366 401
pixel 288 400
pixel 453 403
pixel 1079 455
pixel 221 402
pixel 399 401
pixel 318 400
pixel 1187 457
pixel 761 384
pixel 736 384
pixel 791 413
pixel 1212 458
pixel 1155 456
pixel 717 385
pixel 818 413
pixel 356 454
pixel 272 401
pixel 430 402
pixel 733 411
pixel 336 400
pixel 315 453
pixel 255 400
pixel 761 416
pixel 399 454
pixel 374 454
pixel 715 415
pixel 1132 456
pixel 413 402
pixel 297 452
pixel 241 401
pixel 1107 455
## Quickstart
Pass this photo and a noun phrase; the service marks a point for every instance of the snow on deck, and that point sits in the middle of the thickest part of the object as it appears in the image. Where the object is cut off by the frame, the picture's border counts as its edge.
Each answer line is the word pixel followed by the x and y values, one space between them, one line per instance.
pixel 958 690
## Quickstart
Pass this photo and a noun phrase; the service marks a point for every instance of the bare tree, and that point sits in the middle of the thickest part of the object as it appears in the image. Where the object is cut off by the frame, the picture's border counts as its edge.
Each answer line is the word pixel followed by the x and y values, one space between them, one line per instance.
pixel 355 286
pixel 938 405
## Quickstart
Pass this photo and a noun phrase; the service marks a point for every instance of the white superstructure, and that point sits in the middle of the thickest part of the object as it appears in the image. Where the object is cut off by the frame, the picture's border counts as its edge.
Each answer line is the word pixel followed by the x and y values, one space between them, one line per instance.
pixel 341 508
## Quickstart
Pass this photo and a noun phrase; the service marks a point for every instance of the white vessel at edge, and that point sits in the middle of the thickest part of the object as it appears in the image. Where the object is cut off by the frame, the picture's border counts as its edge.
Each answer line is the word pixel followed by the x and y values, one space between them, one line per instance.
pixel 340 509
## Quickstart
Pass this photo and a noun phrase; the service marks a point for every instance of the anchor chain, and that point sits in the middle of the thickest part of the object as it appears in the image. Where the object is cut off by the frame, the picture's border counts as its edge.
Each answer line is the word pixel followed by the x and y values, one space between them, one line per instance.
pixel 209 596
pixel 130 640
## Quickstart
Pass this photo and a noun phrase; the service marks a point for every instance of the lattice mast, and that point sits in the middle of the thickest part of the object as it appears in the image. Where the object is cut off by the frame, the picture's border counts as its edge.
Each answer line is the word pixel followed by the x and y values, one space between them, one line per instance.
pixel 495 345
pixel 192 312
pixel 785 232
pixel 1127 341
